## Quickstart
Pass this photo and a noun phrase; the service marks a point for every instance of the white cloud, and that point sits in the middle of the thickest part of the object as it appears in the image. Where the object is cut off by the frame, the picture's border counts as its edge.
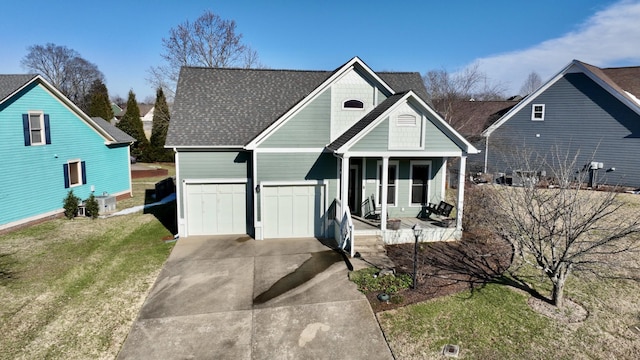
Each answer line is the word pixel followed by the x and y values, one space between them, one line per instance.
pixel 609 38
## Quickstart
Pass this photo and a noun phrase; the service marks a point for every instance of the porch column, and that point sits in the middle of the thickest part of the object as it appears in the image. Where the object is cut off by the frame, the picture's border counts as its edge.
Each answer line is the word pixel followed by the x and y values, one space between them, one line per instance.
pixel 461 182
pixel 344 184
pixel 383 200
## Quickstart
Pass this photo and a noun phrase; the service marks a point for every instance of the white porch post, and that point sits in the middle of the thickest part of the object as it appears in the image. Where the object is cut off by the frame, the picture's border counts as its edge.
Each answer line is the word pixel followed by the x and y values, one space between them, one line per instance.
pixel 383 200
pixel 344 184
pixel 461 182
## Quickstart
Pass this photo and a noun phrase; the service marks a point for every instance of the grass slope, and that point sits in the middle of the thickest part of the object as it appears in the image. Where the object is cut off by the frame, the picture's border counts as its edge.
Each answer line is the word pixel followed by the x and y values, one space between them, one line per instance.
pixel 71 289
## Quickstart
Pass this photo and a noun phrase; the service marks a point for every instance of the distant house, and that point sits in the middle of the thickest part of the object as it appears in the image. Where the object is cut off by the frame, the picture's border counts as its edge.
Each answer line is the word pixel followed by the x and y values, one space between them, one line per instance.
pixel 582 109
pixel 470 118
pixel 290 153
pixel 146 115
pixel 49 146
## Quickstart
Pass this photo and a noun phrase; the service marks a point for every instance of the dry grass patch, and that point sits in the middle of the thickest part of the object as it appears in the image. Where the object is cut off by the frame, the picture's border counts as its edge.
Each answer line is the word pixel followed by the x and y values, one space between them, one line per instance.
pixel 75 287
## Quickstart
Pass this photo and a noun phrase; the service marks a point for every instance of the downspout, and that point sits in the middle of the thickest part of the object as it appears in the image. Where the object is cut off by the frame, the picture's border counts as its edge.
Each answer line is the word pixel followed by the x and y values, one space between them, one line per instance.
pixel 486 152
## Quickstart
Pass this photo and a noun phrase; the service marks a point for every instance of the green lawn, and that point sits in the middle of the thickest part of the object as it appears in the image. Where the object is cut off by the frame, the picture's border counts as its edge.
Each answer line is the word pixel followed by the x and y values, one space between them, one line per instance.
pixel 71 289
pixel 496 322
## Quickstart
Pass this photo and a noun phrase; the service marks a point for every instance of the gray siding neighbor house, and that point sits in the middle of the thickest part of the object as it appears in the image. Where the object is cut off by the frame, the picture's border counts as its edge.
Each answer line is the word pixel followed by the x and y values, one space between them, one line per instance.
pixel 582 110
pixel 288 153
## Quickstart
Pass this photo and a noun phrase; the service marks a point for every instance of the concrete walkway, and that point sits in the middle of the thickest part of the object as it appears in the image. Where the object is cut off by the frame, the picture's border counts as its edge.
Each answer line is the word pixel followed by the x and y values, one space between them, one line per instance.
pixel 237 298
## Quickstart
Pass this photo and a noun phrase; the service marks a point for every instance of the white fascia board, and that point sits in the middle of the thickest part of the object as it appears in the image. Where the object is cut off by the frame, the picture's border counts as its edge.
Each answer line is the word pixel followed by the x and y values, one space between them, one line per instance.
pixel 345 148
pixel 527 100
pixel 73 108
pixel 403 154
pixel 204 147
pixel 470 149
pixel 289 150
pixel 630 102
pixel 19 89
pixel 301 104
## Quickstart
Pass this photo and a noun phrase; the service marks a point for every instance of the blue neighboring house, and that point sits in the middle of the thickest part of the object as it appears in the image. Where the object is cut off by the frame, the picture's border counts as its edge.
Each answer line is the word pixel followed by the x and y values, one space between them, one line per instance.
pixel 48 147
pixel 290 153
pixel 583 109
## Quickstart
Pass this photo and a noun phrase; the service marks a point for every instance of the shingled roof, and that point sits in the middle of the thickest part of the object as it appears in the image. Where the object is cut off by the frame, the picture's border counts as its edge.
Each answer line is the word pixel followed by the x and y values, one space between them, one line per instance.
pixel 229 107
pixel 470 118
pixel 119 136
pixel 628 78
pixel 10 83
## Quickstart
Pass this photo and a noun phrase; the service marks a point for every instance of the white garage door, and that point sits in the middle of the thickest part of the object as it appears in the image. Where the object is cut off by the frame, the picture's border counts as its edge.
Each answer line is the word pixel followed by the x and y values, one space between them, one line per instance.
pixel 292 211
pixel 214 209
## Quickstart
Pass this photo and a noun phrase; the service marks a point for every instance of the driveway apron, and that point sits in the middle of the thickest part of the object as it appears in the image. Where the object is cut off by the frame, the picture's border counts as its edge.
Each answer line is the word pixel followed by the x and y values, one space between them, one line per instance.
pixel 231 297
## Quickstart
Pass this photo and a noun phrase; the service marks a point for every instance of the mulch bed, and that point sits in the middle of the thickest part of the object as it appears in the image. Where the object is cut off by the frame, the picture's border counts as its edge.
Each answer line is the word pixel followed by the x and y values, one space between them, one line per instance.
pixel 446 268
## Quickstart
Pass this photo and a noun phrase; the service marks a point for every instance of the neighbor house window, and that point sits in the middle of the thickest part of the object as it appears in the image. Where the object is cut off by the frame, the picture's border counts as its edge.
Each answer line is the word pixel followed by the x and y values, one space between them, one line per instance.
pixel 36 128
pixel 406 120
pixel 420 175
pixel 74 173
pixel 392 179
pixel 353 104
pixel 537 112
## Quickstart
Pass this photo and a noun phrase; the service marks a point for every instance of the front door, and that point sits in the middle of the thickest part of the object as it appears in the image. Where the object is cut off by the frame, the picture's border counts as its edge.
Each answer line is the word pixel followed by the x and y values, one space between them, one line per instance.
pixel 354 190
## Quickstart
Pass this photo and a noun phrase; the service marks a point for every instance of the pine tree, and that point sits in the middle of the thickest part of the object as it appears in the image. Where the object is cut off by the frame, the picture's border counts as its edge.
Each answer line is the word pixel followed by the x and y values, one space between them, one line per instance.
pixel 99 104
pixel 132 125
pixel 161 118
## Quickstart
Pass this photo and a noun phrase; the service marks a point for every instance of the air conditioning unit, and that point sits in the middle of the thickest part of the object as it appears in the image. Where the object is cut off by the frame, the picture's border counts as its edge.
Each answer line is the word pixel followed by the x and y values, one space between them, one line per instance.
pixel 106 204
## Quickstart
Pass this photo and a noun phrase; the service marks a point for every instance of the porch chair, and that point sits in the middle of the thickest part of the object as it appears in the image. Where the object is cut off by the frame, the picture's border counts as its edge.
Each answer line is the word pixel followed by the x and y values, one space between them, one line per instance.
pixel 443 209
pixel 373 211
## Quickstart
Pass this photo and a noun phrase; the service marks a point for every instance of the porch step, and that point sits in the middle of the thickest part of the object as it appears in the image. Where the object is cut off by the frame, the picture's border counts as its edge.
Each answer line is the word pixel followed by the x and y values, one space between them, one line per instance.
pixel 372 251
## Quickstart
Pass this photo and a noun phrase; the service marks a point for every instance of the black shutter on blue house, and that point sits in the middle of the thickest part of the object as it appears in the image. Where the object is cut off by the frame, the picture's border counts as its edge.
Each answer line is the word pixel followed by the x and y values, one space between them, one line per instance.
pixel 47 133
pixel 25 128
pixel 84 172
pixel 65 167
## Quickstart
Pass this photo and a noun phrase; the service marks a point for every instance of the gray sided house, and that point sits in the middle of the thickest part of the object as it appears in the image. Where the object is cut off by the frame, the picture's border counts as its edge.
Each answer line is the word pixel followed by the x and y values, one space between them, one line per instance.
pixel 582 110
pixel 285 154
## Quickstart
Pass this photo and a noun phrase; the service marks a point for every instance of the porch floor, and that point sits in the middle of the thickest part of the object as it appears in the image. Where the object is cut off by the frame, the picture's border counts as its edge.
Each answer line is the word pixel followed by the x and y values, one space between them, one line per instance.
pixel 405 223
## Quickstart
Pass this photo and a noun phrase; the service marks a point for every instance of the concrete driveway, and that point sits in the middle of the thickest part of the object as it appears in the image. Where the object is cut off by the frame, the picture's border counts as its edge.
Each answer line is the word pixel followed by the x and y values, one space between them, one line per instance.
pixel 236 298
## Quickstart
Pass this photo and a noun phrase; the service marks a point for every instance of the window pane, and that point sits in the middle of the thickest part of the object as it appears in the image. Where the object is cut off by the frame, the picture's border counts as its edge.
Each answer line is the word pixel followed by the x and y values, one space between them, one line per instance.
pixel 391 195
pixel 391 187
pixel 74 173
pixel 354 104
pixel 36 136
pixel 34 122
pixel 419 184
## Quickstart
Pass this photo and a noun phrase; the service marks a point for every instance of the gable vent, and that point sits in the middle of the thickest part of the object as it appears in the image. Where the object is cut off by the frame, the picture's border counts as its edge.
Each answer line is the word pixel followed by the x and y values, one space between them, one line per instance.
pixel 406 120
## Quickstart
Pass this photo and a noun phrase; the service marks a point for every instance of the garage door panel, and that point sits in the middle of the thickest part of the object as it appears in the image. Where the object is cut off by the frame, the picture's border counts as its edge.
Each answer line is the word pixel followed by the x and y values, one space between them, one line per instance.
pixel 216 209
pixel 292 211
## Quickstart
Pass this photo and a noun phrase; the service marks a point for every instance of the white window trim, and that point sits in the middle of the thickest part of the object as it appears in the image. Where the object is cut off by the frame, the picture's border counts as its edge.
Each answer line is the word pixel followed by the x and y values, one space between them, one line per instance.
pixel 78 164
pixel 364 106
pixel 379 180
pixel 42 130
pixel 429 183
pixel 533 112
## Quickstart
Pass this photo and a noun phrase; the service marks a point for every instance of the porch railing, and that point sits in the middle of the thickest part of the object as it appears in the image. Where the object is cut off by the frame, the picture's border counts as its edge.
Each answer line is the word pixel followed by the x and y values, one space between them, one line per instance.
pixel 346 236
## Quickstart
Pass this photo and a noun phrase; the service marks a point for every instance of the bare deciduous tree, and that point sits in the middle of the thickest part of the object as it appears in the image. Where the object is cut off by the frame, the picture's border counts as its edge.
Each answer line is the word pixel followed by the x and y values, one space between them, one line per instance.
pixel 532 83
pixel 209 41
pixel 65 69
pixel 564 229
pixel 444 89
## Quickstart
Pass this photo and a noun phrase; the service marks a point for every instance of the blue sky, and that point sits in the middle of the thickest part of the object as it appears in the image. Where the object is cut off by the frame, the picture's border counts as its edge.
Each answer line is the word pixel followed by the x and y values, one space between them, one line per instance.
pixel 508 39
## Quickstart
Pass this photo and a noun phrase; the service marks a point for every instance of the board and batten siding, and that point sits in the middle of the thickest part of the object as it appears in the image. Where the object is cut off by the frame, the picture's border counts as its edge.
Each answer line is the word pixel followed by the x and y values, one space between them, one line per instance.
pixel 33 176
pixel 308 128
pixel 580 116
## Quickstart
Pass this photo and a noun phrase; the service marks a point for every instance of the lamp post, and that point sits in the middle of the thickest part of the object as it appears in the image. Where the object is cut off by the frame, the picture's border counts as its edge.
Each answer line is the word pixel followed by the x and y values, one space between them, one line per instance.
pixel 417 230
